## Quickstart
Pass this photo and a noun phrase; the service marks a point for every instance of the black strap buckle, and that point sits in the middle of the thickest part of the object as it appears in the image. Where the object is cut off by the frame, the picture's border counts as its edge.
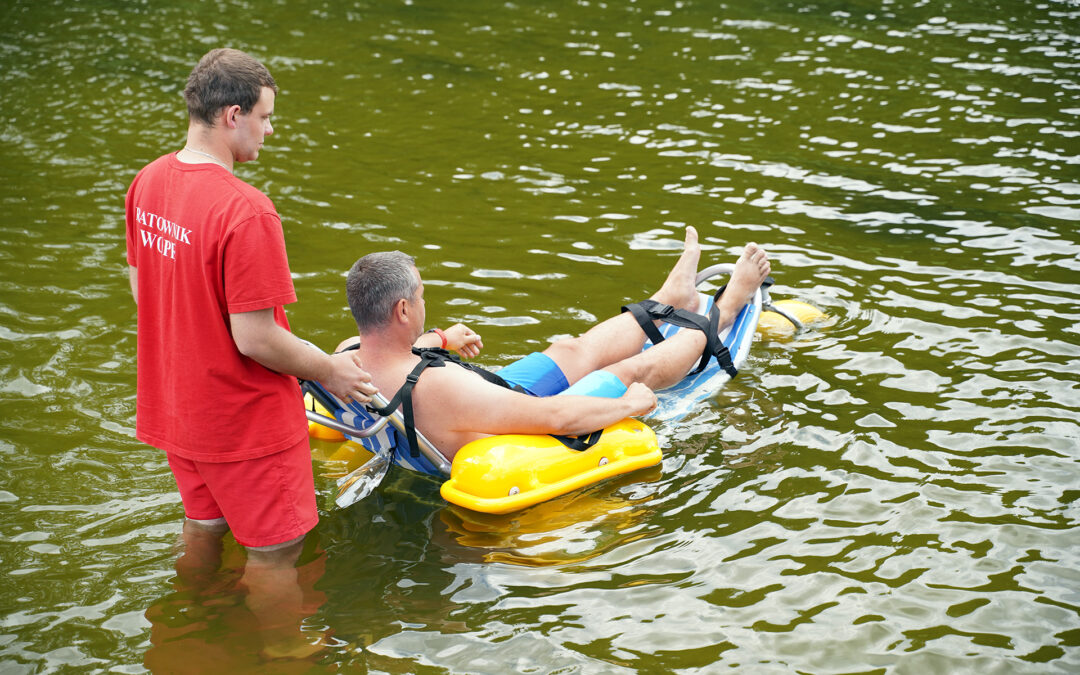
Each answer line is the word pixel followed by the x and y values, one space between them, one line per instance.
pixel 579 443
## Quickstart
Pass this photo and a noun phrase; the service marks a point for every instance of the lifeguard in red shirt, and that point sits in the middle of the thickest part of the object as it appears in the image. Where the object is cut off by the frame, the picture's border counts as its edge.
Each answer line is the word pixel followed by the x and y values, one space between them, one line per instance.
pixel 217 365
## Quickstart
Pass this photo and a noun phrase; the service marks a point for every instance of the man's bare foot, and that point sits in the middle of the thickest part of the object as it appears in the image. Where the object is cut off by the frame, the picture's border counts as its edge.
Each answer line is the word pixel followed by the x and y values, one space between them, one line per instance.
pixel 750 271
pixel 679 289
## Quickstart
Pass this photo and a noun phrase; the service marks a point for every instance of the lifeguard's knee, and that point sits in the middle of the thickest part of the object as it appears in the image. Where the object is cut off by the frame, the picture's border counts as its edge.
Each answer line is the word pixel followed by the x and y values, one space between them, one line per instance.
pixel 283 554
pixel 208 523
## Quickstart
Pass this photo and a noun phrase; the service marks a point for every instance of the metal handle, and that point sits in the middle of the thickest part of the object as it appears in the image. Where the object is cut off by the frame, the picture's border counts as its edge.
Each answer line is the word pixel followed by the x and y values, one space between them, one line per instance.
pixel 713 271
pixel 359 432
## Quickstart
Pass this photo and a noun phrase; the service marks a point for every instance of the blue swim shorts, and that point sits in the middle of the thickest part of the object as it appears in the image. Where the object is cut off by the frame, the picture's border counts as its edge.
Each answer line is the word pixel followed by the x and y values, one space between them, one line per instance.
pixel 540 376
pixel 537 374
pixel 599 383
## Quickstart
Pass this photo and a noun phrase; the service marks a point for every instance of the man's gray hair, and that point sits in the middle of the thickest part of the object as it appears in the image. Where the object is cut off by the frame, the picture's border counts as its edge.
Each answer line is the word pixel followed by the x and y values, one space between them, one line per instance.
pixel 375 284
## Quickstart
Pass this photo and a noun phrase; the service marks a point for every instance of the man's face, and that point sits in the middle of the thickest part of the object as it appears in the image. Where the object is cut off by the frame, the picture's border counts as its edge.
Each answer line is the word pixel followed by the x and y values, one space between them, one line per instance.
pixel 253 127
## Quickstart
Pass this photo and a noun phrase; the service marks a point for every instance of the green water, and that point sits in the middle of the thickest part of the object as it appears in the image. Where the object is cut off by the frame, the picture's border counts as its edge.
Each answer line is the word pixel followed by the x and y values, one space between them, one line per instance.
pixel 893 492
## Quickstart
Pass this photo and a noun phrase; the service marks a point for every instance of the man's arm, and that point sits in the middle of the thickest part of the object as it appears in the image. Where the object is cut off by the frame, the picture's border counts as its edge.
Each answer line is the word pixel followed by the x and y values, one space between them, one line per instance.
pixel 479 407
pixel 259 337
pixel 459 338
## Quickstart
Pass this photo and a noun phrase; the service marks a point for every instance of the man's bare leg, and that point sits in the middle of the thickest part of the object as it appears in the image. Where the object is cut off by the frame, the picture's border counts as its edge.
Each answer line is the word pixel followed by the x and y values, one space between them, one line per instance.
pixel 668 362
pixel 620 337
pixel 750 272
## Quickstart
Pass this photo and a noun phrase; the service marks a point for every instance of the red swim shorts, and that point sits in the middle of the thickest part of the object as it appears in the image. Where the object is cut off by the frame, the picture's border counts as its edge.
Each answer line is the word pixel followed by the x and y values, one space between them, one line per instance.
pixel 265 501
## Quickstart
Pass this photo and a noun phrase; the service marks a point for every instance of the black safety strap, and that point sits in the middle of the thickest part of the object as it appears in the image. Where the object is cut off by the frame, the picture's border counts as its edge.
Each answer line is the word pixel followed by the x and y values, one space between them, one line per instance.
pixel 487 375
pixel 579 443
pixel 454 358
pixel 403 398
pixel 647 311
pixel 433 357
pixel 714 346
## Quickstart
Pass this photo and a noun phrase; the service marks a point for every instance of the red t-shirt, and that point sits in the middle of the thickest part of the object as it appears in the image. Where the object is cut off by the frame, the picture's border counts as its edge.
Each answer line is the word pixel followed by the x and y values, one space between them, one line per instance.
pixel 207 244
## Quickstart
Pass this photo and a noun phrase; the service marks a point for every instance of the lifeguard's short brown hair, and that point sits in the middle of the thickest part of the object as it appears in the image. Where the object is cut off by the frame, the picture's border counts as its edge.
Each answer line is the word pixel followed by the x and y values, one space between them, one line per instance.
pixel 225 77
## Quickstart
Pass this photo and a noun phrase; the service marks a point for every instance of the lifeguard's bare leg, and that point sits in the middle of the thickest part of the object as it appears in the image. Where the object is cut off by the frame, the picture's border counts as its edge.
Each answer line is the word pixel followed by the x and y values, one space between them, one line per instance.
pixel 277 600
pixel 620 337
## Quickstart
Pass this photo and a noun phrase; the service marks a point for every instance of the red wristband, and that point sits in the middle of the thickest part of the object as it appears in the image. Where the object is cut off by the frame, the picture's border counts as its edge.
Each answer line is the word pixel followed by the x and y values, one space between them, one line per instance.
pixel 442 336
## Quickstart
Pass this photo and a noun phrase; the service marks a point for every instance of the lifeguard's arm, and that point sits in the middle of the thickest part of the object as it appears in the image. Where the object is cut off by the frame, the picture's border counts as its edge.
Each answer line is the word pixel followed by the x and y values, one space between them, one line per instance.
pixel 478 406
pixel 133 279
pixel 259 337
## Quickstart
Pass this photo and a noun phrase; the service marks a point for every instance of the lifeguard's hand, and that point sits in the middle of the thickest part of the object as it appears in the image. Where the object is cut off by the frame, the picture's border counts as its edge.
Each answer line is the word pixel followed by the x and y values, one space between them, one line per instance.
pixel 642 400
pixel 463 340
pixel 348 380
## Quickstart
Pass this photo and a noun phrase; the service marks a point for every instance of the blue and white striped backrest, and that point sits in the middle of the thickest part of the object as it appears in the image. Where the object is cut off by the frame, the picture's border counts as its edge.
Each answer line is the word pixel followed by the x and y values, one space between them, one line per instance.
pixel 357 416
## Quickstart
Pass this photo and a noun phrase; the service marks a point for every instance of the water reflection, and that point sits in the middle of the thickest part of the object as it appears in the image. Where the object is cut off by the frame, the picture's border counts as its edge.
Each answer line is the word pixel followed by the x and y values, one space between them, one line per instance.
pixel 225 611
pixel 567 530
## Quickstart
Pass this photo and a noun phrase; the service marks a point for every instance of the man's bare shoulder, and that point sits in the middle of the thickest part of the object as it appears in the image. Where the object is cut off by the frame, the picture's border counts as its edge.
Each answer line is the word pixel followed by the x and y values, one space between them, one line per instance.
pixel 455 405
pixel 460 396
pixel 452 375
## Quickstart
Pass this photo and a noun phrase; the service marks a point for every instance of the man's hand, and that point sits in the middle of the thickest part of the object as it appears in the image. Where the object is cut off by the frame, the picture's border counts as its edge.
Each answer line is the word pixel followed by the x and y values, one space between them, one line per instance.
pixel 347 378
pixel 641 399
pixel 463 340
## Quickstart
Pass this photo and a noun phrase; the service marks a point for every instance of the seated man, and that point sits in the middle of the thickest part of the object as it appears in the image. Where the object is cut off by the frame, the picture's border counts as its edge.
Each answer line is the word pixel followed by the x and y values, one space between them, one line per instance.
pixel 601 376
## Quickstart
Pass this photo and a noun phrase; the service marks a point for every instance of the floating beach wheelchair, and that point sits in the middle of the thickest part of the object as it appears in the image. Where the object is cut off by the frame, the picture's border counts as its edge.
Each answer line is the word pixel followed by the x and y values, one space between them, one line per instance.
pixel 506 473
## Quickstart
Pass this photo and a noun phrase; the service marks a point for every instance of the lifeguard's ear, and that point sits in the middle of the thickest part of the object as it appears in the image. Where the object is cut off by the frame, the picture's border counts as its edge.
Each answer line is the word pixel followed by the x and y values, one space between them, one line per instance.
pixel 231 113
